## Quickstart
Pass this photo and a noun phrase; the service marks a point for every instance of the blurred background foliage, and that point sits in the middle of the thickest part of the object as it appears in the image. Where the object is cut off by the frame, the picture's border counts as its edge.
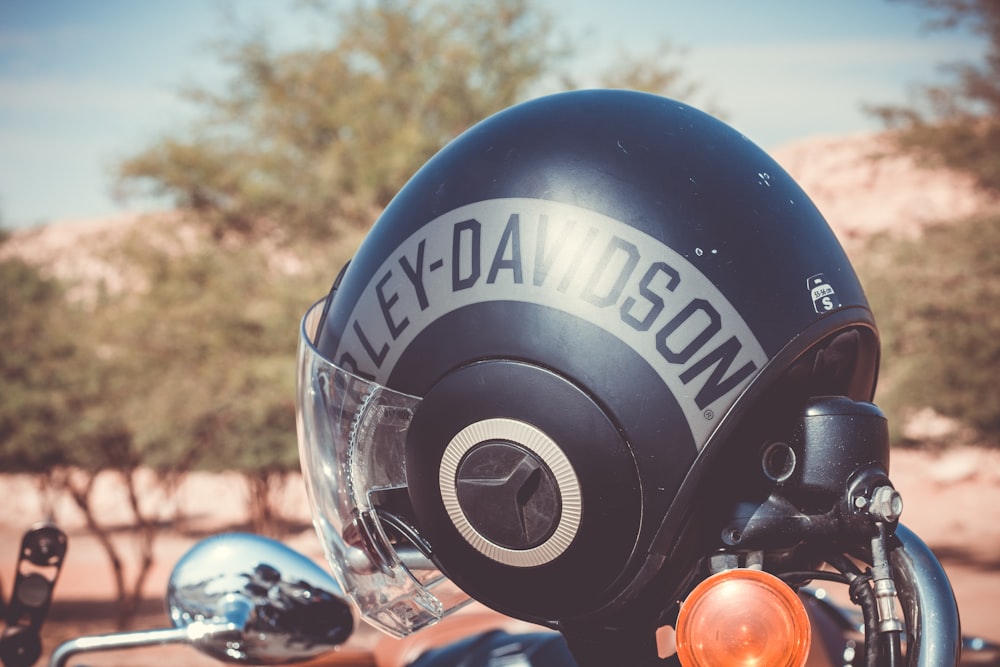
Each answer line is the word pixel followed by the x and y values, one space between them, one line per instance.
pixel 956 123
pixel 191 365
pixel 937 300
pixel 937 296
pixel 309 142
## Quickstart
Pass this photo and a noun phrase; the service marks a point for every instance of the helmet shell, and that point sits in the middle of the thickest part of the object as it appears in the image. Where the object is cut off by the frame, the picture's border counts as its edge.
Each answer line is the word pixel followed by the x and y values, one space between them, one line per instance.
pixel 621 276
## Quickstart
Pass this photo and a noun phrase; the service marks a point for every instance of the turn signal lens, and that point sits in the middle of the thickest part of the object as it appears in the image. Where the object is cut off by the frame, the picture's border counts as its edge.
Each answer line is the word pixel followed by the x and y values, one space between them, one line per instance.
pixel 740 618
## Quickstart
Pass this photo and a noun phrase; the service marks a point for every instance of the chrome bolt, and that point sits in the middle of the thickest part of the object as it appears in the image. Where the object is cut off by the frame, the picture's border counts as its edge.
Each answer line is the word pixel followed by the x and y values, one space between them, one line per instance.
pixel 886 504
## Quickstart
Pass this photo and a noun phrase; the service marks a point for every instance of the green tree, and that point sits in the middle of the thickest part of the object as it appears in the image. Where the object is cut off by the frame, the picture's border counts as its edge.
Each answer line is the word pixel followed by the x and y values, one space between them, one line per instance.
pixel 35 415
pixel 210 338
pixel 957 123
pixel 57 413
pixel 315 139
pixel 936 300
pixel 936 296
pixel 204 340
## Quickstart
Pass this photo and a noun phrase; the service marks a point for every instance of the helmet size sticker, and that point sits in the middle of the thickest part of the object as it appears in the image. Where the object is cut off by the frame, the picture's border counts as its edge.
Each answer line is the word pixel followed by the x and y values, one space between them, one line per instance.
pixel 824 298
pixel 577 261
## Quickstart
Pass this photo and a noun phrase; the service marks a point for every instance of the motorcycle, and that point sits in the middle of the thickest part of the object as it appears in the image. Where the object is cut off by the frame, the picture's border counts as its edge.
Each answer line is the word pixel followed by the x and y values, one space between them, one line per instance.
pixel 247 599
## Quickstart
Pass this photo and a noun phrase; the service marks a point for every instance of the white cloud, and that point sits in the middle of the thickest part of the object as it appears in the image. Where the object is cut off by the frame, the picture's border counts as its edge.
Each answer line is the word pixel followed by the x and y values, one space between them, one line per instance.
pixel 831 57
pixel 60 137
pixel 62 96
pixel 17 40
pixel 776 92
pixel 59 169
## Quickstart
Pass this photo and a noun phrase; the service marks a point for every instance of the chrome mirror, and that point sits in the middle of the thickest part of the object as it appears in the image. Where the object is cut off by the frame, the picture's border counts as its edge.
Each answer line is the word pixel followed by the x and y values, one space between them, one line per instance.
pixel 280 605
pixel 245 599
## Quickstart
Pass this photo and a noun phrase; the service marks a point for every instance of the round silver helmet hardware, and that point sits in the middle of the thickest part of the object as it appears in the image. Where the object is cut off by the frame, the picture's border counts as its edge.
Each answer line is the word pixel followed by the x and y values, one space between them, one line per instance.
pixel 511 492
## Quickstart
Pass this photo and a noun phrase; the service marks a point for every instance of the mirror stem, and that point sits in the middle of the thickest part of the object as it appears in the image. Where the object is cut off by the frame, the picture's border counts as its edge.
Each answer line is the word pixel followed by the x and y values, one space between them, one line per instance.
pixel 135 639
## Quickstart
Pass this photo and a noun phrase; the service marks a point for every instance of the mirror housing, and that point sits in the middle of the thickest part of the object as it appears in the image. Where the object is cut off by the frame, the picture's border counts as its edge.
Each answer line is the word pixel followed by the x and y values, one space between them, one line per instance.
pixel 277 605
pixel 245 599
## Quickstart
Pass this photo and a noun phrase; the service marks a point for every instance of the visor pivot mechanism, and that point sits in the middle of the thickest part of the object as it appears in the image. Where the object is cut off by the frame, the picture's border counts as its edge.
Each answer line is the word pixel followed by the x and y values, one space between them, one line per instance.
pixel 508 494
pixel 510 491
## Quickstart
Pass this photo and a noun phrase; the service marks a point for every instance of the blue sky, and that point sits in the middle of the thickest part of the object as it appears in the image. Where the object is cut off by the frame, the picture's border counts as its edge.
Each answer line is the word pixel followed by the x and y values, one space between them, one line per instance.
pixel 84 83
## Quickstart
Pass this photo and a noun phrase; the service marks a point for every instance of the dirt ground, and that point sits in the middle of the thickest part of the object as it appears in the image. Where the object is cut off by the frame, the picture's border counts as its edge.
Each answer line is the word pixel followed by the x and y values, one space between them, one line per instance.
pixel 952 501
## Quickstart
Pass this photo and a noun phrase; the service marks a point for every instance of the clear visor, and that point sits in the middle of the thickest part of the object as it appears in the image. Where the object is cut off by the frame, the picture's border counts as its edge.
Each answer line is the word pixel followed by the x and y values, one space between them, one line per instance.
pixel 352 436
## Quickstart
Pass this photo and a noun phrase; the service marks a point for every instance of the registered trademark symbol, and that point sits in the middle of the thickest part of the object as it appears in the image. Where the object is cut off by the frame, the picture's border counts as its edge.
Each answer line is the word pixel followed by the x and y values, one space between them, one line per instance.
pixel 709 415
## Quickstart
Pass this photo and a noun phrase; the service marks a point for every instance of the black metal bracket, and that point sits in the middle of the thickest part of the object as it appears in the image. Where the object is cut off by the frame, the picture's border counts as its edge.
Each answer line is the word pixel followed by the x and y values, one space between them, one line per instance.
pixel 43 550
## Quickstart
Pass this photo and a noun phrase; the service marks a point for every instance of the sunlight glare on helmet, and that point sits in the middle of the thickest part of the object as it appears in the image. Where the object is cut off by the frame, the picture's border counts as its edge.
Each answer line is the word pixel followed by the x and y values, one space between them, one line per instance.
pixel 740 618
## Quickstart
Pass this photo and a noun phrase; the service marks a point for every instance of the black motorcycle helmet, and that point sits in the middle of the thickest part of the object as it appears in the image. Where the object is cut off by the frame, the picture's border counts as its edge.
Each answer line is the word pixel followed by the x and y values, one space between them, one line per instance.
pixel 559 350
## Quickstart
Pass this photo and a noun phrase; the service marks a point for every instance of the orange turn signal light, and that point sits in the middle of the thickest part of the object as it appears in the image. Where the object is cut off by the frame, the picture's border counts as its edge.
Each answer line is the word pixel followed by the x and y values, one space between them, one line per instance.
pixel 743 617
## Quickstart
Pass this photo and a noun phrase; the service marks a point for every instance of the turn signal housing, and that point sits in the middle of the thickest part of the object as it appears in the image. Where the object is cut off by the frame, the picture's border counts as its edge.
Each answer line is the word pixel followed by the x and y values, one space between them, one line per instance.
pixel 743 617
